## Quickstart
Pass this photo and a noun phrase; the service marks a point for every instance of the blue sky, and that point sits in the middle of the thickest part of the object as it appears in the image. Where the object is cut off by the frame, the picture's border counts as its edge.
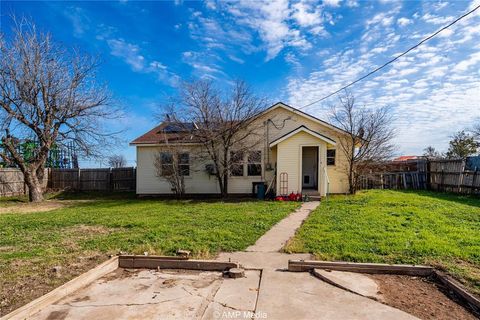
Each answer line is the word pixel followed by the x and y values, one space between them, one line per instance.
pixel 294 52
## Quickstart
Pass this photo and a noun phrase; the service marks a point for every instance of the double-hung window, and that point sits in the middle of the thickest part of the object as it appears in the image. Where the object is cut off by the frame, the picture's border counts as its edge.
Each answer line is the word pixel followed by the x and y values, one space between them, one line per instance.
pixel 236 160
pixel 254 163
pixel 168 165
pixel 184 164
pixel 330 157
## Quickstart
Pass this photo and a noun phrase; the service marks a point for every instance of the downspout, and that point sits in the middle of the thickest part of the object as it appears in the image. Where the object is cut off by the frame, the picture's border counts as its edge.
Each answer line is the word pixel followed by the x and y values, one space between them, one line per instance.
pixel 328 182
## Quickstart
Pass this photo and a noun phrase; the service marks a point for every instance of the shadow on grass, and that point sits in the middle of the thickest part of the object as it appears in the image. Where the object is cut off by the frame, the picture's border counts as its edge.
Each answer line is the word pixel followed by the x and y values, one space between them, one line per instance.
pixel 99 195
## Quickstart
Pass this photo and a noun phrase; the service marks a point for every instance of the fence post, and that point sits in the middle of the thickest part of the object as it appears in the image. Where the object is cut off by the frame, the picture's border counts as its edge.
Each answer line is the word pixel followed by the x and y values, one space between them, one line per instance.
pixel 110 179
pixel 460 177
pixel 473 189
pixel 442 180
pixel 79 184
pixel 428 176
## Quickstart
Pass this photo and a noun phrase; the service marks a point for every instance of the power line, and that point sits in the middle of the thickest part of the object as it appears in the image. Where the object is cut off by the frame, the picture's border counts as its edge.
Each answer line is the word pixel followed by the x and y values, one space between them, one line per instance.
pixel 394 59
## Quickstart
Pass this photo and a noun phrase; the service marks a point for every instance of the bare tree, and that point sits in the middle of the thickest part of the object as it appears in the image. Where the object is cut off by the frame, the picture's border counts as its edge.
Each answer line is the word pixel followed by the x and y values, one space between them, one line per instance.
pixel 476 131
pixel 48 94
pixel 368 136
pixel 431 153
pixel 225 124
pixel 117 161
pixel 170 164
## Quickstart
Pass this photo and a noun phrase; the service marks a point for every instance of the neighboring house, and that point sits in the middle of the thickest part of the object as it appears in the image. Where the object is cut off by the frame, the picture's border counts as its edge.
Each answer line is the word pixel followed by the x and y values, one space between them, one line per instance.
pixel 405 158
pixel 297 153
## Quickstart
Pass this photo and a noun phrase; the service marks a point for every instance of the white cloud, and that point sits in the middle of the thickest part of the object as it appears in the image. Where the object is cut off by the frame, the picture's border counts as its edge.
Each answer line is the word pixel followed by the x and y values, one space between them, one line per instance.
pixel 404 22
pixel 79 19
pixel 236 59
pixel 433 19
pixel 278 24
pixel 352 3
pixel 332 3
pixel 305 15
pixel 429 89
pixel 130 53
pixel 472 60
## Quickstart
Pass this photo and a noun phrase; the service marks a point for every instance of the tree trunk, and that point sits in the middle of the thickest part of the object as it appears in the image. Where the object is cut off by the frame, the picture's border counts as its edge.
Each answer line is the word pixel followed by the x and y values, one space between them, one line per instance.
pixel 35 188
pixel 351 179
pixel 225 186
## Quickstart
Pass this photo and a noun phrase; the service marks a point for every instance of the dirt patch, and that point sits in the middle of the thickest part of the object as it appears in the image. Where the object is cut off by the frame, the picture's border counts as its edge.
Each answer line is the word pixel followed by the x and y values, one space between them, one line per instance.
pixel 420 297
pixel 34 207
pixel 40 280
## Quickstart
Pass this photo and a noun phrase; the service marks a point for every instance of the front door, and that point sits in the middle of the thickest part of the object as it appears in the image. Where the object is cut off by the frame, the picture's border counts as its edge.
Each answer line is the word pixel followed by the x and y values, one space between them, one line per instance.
pixel 309 167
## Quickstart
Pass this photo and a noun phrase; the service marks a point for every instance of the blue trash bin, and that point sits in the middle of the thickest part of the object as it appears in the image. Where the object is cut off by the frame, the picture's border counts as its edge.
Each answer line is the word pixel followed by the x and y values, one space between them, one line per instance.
pixel 261 191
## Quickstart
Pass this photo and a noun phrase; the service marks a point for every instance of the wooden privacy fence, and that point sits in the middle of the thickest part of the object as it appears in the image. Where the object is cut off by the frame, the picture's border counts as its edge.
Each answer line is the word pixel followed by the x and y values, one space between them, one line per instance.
pixel 454 176
pixel 11 182
pixel 396 175
pixel 104 179
pixel 437 175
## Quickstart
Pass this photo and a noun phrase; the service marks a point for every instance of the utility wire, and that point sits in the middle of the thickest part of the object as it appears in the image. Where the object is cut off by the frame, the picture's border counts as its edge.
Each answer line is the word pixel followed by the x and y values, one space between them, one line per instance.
pixel 394 59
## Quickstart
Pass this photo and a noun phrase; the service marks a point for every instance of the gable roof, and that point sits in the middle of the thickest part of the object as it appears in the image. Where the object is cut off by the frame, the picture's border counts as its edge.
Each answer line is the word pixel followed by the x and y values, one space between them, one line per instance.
pixel 303 114
pixel 302 128
pixel 160 134
pixel 165 132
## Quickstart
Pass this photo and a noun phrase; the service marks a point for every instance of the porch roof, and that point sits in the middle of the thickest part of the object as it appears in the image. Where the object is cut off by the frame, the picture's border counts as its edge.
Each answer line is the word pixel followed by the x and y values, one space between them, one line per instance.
pixel 303 128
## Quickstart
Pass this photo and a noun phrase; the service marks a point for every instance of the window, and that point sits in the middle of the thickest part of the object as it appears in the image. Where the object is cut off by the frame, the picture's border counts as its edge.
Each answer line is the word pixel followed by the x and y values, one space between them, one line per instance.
pixel 184 164
pixel 166 159
pixel 255 163
pixel 167 163
pixel 236 169
pixel 330 157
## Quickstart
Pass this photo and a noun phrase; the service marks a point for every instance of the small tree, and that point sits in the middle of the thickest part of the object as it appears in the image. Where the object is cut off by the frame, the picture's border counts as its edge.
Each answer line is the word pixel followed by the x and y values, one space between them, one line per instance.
pixel 462 145
pixel 225 124
pixel 117 161
pixel 47 95
pixel 169 164
pixel 431 153
pixel 367 138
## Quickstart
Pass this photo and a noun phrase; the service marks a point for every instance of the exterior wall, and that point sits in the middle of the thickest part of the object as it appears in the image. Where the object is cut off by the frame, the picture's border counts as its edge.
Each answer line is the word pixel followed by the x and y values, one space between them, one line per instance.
pixel 148 182
pixel 290 153
pixel 198 182
pixel 336 173
pixel 270 126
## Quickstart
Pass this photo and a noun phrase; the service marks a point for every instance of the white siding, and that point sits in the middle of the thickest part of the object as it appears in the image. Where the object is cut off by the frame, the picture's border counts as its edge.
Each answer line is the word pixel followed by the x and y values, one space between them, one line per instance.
pixel 290 154
pixel 199 182
pixel 285 121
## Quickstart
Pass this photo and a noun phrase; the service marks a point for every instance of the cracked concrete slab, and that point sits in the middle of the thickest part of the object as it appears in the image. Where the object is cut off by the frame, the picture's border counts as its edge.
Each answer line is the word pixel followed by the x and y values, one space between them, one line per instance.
pixel 298 295
pixel 355 282
pixel 152 294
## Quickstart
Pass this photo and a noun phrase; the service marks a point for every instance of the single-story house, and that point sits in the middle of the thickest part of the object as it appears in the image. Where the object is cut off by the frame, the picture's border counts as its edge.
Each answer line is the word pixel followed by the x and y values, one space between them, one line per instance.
pixel 298 153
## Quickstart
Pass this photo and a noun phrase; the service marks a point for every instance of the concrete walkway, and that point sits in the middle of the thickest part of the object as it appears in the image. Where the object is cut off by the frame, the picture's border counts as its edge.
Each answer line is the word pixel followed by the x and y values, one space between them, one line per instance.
pixel 299 295
pixel 276 238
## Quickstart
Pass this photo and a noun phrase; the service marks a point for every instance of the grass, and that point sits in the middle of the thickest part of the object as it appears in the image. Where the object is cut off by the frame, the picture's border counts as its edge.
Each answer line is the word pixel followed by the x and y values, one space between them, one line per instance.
pixel 86 232
pixel 397 227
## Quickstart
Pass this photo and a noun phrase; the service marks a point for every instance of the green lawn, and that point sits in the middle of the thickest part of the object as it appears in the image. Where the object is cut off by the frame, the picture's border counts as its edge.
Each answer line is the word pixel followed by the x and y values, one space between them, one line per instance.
pixel 84 233
pixel 397 227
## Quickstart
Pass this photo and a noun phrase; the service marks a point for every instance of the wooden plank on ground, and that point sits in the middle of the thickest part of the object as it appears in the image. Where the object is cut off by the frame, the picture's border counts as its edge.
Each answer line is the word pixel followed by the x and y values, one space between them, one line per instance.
pixel 378 268
pixel 458 289
pixel 126 261
pixel 153 262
